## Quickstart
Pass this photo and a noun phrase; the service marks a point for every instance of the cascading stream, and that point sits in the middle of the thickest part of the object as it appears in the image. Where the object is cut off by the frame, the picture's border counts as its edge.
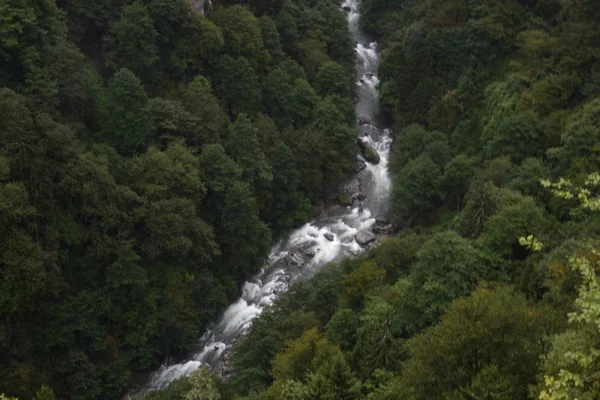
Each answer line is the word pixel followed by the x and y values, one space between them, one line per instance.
pixel 316 243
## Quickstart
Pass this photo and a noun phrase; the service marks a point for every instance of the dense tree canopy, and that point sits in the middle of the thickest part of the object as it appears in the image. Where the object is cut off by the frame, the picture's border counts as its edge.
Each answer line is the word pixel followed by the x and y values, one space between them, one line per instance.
pixel 150 155
pixel 491 290
pixel 148 160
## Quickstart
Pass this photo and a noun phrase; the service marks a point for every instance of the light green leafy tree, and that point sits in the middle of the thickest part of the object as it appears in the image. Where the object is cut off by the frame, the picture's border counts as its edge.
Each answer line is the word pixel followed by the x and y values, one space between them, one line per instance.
pixel 203 386
pixel 570 368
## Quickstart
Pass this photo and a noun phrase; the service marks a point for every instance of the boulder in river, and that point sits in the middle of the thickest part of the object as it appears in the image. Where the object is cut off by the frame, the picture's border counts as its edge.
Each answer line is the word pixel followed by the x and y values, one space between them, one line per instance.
pixel 381 220
pixel 329 236
pixel 346 193
pixel 364 238
pixel 301 255
pixel 310 252
pixel 347 8
pixel 368 151
pixel 360 165
pixel 347 240
pixel 364 121
pixel 345 199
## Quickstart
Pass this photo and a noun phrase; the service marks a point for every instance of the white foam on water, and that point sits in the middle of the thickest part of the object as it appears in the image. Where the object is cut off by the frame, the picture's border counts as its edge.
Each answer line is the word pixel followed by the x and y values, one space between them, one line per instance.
pixel 238 316
pixel 251 292
pixel 380 173
pixel 368 54
pixel 167 374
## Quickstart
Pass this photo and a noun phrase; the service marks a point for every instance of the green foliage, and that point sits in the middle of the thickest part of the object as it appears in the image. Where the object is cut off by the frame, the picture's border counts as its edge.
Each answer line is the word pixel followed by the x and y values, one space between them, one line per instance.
pixel 570 365
pixel 279 97
pixel 342 327
pixel 501 232
pixel 124 118
pixel 241 32
pixel 131 206
pixel 205 42
pixel 332 80
pixel 416 188
pixel 203 387
pixel 243 146
pixel 132 40
pixel 357 283
pixel 45 393
pixel 237 85
pixel 491 328
pixel 301 356
pixel 495 106
pixel 455 181
pixel 242 235
pixel 210 120
pixel 377 340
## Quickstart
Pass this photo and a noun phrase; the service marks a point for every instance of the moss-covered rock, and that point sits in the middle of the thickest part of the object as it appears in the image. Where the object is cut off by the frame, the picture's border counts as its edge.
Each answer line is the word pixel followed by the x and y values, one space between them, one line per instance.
pixel 368 151
pixel 345 198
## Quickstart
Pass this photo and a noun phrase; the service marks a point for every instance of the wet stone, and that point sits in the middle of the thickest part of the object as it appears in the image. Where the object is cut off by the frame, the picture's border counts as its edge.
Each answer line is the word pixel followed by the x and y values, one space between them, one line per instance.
pixel 369 152
pixel 360 165
pixel 364 121
pixel 329 236
pixel 364 238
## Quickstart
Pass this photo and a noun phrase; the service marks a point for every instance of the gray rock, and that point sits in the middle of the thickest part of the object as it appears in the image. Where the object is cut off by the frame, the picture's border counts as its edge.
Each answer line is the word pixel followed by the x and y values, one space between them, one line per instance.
pixel 381 220
pixel 364 238
pixel 364 121
pixel 301 255
pixel 329 236
pixel 360 165
pixel 295 260
pixel 368 151
pixel 383 229
pixel 310 253
pixel 348 192
pixel 346 8
pixel 199 5
pixel 345 199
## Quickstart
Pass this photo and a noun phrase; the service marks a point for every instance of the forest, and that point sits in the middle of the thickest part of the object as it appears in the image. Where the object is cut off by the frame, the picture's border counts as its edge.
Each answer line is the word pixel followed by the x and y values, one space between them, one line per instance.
pixel 489 290
pixel 150 155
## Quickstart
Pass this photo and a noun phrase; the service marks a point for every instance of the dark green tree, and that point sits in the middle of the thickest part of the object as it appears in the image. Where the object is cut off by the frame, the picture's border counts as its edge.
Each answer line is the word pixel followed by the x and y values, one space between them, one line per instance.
pixel 241 32
pixel 132 43
pixel 244 238
pixel 210 118
pixel 332 80
pixel 200 45
pixel 271 40
pixel 123 116
pixel 279 98
pixel 237 85
pixel 455 181
pixel 243 147
pixel 305 99
pixel 416 189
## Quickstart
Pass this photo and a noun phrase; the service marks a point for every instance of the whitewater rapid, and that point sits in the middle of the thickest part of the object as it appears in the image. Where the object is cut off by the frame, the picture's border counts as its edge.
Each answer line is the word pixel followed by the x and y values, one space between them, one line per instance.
pixel 313 245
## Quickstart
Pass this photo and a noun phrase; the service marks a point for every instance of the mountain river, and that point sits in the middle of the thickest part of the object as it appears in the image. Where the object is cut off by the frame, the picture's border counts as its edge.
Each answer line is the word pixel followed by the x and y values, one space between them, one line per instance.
pixel 319 242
